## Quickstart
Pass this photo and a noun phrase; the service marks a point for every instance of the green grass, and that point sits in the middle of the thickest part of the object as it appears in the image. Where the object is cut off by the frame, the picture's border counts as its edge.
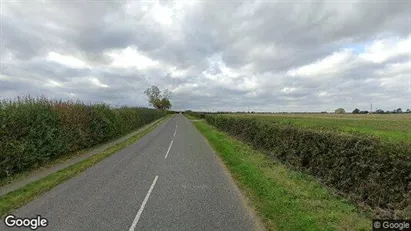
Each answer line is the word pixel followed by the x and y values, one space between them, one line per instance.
pixel 392 127
pixel 27 193
pixel 190 117
pixel 284 199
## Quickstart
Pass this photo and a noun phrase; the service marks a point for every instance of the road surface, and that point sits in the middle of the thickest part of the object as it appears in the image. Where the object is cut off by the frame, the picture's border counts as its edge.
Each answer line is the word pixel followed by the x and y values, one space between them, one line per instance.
pixel 169 180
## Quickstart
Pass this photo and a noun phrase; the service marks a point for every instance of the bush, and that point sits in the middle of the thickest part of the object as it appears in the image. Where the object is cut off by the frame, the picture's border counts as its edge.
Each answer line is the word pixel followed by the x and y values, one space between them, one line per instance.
pixel 34 131
pixel 363 168
pixel 199 115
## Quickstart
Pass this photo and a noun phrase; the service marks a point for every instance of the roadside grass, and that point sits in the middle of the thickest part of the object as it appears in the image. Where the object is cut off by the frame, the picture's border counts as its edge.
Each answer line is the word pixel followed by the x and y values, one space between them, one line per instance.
pixel 25 194
pixel 190 117
pixel 284 199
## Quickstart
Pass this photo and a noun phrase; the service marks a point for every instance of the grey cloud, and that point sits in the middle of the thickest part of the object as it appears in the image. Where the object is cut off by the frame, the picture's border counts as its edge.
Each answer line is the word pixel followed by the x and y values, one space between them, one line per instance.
pixel 307 30
pixel 261 38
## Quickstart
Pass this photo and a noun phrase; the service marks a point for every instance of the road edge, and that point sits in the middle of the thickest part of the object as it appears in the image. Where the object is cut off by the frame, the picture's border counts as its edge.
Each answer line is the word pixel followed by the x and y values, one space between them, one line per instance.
pixel 246 202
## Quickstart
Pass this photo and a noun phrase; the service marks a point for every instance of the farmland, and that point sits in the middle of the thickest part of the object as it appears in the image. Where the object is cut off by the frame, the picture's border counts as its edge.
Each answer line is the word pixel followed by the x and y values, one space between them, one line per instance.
pixel 390 127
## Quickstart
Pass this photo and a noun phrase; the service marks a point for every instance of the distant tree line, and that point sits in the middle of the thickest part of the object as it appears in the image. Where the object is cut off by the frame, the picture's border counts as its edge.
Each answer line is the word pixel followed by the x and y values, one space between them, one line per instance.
pixel 250 112
pixel 337 111
pixel 380 111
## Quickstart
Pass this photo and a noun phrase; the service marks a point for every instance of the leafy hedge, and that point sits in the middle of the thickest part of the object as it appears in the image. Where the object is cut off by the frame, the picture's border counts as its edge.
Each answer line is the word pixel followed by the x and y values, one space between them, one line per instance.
pixel 34 131
pixel 200 115
pixel 371 172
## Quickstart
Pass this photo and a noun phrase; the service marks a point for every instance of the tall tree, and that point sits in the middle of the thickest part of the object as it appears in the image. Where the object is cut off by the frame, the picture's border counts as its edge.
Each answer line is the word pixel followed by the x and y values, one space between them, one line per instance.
pixel 158 99
pixel 340 111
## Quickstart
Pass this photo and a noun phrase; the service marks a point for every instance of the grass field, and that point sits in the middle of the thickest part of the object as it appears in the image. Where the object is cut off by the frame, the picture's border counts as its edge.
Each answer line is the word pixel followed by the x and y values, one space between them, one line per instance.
pixel 392 127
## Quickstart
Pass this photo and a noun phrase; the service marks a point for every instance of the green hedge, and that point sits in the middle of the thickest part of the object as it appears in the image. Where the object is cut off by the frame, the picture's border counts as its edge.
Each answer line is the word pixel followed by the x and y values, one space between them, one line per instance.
pixel 371 172
pixel 200 115
pixel 34 131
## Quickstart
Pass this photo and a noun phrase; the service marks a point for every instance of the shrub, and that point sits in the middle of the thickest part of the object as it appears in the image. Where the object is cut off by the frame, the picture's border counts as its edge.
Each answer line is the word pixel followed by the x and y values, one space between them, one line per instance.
pixel 34 131
pixel 200 115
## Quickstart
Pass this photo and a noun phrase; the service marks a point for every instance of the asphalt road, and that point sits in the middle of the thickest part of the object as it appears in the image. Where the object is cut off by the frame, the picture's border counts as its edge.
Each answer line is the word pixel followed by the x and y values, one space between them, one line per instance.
pixel 169 180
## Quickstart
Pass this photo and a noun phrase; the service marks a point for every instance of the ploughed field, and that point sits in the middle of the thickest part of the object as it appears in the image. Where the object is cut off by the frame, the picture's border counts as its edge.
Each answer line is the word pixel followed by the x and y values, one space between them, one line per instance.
pixel 389 127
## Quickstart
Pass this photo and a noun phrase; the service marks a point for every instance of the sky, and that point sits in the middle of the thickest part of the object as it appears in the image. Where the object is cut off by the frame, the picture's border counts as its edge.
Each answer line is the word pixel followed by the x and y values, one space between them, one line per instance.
pixel 213 55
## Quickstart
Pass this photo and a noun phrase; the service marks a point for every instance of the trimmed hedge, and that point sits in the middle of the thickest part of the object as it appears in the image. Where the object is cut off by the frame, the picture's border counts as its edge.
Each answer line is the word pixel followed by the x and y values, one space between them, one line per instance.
pixel 363 168
pixel 200 115
pixel 34 131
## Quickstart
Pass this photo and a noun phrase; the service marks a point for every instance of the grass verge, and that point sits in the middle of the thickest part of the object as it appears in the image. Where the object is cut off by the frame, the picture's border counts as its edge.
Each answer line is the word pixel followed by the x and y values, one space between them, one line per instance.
pixel 284 199
pixel 190 117
pixel 25 194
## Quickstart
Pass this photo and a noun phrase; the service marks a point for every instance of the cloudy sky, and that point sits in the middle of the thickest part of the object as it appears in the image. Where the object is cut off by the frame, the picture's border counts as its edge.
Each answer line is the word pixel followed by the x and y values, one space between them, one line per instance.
pixel 213 55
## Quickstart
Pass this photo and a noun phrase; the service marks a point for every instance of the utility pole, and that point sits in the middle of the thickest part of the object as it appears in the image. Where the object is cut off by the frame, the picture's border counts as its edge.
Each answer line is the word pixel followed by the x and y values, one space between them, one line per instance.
pixel 371 108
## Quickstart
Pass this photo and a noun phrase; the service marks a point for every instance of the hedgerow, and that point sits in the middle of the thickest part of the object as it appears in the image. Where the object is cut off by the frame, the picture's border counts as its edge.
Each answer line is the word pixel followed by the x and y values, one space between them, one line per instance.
pixel 367 170
pixel 34 131
pixel 200 115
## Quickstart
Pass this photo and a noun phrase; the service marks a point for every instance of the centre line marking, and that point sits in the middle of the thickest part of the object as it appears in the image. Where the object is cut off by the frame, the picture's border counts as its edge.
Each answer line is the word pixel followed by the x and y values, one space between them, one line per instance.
pixel 175 131
pixel 169 147
pixel 133 226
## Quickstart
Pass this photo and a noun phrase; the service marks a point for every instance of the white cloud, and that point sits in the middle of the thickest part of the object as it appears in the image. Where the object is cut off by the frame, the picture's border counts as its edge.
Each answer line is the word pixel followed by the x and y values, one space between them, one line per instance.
pixel 178 73
pixel 382 50
pixel 162 15
pixel 395 68
pixel 95 81
pixel 323 94
pixel 288 89
pixel 53 83
pixel 250 84
pixel 185 88
pixel 66 60
pixel 338 63
pixel 4 77
pixel 334 63
pixel 130 57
